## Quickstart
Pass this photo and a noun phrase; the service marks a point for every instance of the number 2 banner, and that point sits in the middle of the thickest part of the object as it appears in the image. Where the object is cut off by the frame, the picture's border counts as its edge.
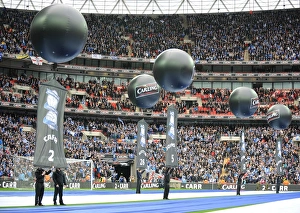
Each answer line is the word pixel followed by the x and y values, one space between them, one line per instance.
pixel 141 158
pixel 49 147
pixel 171 137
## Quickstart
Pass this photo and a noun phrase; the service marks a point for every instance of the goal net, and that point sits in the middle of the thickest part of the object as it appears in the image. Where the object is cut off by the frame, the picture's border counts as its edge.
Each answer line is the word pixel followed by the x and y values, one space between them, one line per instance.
pixel 79 173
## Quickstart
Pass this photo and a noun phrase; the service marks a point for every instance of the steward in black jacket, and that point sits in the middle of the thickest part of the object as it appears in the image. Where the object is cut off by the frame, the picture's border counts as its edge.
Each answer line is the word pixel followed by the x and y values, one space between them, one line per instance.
pixel 39 185
pixel 59 180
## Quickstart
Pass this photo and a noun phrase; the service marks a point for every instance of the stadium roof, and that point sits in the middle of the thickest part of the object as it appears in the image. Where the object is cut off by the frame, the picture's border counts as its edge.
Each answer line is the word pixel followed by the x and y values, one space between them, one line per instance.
pixel 157 6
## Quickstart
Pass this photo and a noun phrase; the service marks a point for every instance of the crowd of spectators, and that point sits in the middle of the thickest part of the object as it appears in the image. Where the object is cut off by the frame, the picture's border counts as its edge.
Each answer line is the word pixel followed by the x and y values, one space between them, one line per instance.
pixel 202 155
pixel 106 95
pixel 272 35
pixel 267 35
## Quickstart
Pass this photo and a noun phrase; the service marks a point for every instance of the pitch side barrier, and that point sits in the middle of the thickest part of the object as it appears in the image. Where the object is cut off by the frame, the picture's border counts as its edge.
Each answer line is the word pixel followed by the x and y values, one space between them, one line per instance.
pixel 5 183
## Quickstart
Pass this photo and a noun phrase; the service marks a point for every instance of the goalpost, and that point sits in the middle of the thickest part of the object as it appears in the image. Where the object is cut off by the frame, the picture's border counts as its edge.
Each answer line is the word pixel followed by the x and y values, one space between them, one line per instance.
pixel 79 173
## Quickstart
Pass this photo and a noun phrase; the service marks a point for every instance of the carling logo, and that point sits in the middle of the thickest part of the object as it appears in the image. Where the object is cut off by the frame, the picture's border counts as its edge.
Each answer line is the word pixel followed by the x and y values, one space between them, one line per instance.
pixel 145 90
pixel 254 103
pixel 273 115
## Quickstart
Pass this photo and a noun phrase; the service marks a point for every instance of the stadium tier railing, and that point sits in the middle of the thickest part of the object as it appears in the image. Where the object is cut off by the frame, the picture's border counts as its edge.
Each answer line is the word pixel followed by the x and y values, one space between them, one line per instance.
pixel 139 114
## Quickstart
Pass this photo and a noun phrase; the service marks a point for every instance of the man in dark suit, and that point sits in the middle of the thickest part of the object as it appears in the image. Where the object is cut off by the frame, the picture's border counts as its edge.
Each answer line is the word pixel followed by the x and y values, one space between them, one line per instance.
pixel 278 183
pixel 139 173
pixel 39 185
pixel 239 184
pixel 167 174
pixel 59 180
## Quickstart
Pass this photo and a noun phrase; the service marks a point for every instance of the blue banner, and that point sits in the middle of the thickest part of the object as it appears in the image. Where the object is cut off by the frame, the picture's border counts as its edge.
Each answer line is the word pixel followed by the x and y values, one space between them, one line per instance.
pixel 243 152
pixel 49 147
pixel 279 168
pixel 141 158
pixel 171 137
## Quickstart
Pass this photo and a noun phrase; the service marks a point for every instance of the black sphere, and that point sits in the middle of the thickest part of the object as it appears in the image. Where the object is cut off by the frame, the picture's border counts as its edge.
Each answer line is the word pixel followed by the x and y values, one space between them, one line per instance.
pixel 279 116
pixel 143 91
pixel 58 33
pixel 174 70
pixel 243 102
